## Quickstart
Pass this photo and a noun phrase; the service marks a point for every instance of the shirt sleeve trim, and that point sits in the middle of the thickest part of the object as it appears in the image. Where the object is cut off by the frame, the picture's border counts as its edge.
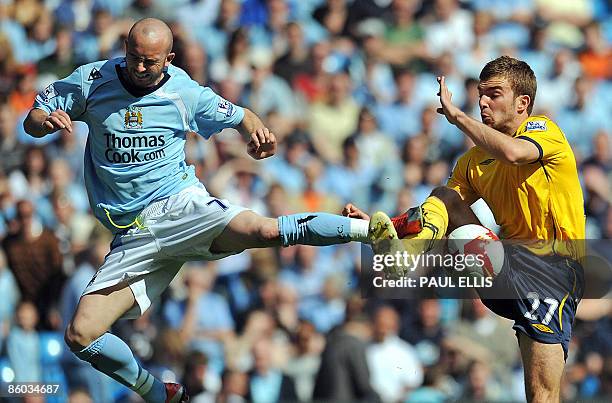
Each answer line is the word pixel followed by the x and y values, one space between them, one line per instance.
pixel 535 143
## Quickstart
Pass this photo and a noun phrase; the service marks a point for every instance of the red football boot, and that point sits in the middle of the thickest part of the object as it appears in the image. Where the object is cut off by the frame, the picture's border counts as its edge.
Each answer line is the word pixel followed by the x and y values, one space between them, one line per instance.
pixel 175 393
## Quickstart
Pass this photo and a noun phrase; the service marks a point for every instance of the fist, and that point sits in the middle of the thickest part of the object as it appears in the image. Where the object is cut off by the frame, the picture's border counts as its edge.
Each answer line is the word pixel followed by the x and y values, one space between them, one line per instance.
pixel 58 120
pixel 353 211
pixel 262 144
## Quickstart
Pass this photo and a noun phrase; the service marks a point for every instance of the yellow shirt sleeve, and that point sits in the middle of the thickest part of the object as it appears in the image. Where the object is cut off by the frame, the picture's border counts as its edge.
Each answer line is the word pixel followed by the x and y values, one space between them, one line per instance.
pixel 545 135
pixel 459 180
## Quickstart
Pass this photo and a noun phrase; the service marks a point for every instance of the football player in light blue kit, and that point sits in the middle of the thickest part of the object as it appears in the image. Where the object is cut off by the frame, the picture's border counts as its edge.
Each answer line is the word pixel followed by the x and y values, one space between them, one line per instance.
pixel 139 110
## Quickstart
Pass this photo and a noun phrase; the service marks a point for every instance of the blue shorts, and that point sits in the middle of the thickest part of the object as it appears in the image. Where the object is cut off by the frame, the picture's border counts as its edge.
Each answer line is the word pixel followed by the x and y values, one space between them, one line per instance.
pixel 539 293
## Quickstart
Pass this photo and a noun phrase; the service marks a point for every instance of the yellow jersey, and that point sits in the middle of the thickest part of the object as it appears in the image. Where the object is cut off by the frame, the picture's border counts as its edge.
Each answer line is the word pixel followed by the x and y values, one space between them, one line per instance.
pixel 540 202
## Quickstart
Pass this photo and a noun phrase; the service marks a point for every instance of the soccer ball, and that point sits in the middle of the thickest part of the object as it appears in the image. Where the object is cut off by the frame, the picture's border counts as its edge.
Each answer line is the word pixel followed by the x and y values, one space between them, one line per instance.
pixel 485 247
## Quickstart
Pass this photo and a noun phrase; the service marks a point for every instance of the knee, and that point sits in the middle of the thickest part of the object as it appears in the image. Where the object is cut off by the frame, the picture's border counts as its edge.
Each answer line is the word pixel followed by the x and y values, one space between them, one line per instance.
pixel 79 334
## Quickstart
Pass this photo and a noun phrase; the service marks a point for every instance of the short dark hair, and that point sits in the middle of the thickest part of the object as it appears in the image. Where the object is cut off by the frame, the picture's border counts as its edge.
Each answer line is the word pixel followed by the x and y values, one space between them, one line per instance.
pixel 518 73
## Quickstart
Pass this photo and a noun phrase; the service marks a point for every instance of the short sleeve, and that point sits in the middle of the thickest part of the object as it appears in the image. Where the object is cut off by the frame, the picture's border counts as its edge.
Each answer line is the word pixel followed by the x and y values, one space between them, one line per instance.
pixel 546 136
pixel 65 94
pixel 459 180
pixel 213 114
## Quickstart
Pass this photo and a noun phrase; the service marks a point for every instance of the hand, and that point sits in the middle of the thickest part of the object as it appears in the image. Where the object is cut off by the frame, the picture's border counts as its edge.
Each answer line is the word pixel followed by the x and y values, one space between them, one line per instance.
pixel 450 111
pixel 352 211
pixel 58 120
pixel 262 144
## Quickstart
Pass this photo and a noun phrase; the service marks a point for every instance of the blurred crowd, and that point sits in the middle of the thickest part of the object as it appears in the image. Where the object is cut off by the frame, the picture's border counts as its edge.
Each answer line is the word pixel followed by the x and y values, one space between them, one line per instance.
pixel 349 89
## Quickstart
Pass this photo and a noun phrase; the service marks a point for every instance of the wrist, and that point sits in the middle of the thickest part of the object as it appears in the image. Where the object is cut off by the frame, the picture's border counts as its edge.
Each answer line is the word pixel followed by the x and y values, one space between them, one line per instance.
pixel 458 116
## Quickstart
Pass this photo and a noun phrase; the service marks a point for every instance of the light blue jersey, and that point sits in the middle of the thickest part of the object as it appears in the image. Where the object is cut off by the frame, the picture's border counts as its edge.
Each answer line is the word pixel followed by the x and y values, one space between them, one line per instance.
pixel 136 145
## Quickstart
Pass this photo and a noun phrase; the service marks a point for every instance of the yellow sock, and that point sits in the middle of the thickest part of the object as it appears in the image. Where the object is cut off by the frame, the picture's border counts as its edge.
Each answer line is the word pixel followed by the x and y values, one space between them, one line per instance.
pixel 435 223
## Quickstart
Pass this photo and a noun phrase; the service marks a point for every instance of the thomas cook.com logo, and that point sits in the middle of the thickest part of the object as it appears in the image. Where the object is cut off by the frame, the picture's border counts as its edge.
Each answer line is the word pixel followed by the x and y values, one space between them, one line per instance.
pixel 125 149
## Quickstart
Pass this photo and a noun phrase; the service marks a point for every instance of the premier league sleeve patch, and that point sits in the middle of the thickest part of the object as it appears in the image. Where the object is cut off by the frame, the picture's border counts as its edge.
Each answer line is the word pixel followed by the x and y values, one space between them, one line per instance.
pixel 536 126
pixel 225 108
pixel 48 93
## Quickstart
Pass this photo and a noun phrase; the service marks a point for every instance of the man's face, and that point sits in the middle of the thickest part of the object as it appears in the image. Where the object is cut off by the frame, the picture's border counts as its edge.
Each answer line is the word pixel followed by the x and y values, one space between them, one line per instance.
pixel 497 103
pixel 146 62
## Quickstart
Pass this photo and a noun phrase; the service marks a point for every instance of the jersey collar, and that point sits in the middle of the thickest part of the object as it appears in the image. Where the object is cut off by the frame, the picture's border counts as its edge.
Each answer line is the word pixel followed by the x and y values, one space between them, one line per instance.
pixel 137 91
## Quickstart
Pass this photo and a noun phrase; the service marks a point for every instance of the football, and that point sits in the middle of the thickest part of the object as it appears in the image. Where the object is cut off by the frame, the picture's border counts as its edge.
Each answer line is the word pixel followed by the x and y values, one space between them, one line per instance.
pixel 480 242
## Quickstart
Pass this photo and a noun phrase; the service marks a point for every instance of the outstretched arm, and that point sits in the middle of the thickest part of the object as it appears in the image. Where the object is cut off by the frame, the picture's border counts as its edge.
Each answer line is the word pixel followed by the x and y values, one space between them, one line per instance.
pixel 261 142
pixel 503 147
pixel 38 123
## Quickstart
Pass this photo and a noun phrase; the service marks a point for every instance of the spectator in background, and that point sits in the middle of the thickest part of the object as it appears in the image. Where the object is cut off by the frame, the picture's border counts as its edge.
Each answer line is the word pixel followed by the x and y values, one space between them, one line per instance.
pixel 287 169
pixel 597 53
pixel 334 17
pixel 583 117
pixel 215 37
pixel 196 378
pixel 394 363
pixel 101 39
pixel 449 29
pixel 430 391
pixel 23 94
pixel 404 36
pixel 79 396
pixel 375 147
pixel 295 60
pixel 31 181
pixel 306 360
pixel 62 179
pixel 10 298
pixel 236 64
pixel 23 345
pixel 11 150
pixel 313 84
pixel 8 65
pixel 485 335
pixel 39 42
pixel 427 333
pixel 235 387
pixel 352 178
pixel 479 385
pixel 267 92
pixel 344 375
pixel 34 257
pixel 203 319
pixel 60 63
pixel 327 309
pixel 306 275
pixel 268 384
pixel 313 198
pixel 400 118
pixel 332 121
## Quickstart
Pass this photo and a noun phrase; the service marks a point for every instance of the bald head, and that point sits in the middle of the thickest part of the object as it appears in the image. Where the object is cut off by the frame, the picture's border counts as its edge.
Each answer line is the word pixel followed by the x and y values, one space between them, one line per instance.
pixel 151 32
pixel 148 52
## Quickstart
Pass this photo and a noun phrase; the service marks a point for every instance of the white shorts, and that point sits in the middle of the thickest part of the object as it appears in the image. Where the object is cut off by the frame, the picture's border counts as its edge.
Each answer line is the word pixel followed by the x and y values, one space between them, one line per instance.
pixel 174 230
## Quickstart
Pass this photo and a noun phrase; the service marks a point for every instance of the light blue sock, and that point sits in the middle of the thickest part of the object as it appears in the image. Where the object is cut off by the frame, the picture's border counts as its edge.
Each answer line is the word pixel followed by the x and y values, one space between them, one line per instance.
pixel 110 355
pixel 320 229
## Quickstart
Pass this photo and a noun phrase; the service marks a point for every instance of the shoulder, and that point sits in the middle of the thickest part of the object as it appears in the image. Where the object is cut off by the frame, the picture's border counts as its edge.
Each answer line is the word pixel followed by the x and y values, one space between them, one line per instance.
pixel 180 77
pixel 181 83
pixel 97 73
pixel 538 124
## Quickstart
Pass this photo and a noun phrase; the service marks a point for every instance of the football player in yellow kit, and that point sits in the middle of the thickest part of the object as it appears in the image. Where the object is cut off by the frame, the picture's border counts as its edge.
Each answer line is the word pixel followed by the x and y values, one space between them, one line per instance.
pixel 524 169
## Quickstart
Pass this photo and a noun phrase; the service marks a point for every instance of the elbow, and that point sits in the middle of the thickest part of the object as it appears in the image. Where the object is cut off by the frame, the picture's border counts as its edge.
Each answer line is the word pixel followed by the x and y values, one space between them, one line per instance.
pixel 512 157
pixel 516 157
